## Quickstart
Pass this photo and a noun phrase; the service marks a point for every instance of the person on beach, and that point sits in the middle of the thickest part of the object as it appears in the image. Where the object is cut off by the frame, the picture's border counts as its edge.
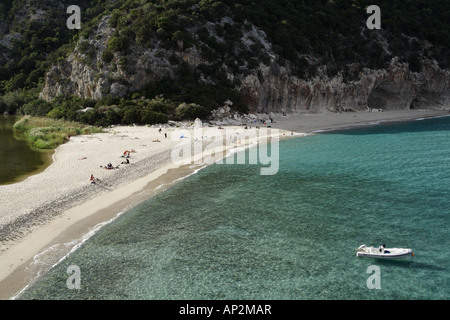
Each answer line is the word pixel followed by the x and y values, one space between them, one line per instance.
pixel 92 179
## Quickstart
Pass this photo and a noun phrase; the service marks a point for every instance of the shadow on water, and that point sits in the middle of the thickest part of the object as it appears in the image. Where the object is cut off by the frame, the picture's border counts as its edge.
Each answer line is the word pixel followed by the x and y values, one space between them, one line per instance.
pixel 409 263
pixel 393 127
pixel 425 266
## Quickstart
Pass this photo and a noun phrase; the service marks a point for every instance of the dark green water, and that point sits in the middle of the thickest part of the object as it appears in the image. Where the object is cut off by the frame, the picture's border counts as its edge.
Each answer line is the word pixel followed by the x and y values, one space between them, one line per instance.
pixel 17 160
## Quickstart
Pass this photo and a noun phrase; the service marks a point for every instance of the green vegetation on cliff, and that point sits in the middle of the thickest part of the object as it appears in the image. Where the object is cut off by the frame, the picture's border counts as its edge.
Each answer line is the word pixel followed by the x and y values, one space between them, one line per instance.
pixel 305 34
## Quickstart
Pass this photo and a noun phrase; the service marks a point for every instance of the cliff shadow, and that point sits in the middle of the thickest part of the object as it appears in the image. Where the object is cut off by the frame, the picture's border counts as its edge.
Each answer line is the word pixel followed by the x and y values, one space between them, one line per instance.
pixel 433 124
pixel 429 99
pixel 382 99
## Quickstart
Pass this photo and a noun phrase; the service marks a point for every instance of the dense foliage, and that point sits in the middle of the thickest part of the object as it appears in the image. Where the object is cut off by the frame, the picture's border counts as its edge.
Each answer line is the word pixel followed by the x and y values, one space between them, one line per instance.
pixel 306 34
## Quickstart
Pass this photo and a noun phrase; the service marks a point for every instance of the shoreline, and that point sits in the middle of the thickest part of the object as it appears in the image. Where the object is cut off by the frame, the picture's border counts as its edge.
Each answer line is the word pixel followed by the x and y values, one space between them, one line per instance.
pixel 77 225
pixel 77 218
pixel 324 122
pixel 45 155
pixel 48 161
pixel 67 216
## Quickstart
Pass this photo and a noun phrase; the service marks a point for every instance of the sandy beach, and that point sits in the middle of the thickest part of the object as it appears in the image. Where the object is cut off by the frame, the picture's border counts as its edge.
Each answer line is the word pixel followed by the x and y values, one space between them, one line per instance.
pixel 307 122
pixel 45 216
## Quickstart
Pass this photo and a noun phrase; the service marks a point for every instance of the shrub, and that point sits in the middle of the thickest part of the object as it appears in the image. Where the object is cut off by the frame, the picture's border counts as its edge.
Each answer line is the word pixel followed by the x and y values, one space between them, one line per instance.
pixel 113 116
pixel 45 133
pixel 131 115
pixel 12 101
pixel 107 56
pixel 37 107
pixel 158 105
pixel 152 117
pixel 119 44
pixel 190 111
pixel 21 125
pixel 56 113
pixel 41 144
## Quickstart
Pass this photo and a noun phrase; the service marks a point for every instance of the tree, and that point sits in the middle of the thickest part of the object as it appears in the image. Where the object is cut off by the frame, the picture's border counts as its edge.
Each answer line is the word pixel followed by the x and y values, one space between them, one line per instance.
pixel 119 44
pixel 107 56
pixel 191 111
pixel 131 115
pixel 152 117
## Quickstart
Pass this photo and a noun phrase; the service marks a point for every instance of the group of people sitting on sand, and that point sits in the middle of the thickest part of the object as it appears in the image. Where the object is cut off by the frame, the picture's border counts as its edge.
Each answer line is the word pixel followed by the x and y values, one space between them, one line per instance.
pixel 109 166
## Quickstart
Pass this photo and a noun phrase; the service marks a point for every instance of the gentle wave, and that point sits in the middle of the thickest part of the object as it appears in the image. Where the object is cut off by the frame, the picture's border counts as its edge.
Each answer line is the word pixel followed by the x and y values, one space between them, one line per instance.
pixel 351 126
pixel 40 260
pixel 436 117
pixel 181 178
pixel 43 261
pixel 190 174
pixel 236 225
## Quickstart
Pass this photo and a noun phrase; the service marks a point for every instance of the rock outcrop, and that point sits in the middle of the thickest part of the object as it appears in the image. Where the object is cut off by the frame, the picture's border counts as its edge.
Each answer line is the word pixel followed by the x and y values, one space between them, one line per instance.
pixel 85 74
pixel 393 88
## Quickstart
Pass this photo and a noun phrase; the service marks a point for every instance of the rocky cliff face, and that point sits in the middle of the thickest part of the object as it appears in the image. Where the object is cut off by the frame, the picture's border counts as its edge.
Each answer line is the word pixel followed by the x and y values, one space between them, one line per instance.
pixel 273 88
pixel 393 88
pixel 85 74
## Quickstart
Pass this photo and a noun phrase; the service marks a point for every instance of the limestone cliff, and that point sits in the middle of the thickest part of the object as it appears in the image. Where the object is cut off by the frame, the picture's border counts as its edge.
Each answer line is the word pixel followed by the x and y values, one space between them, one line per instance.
pixel 85 74
pixel 393 88
pixel 271 87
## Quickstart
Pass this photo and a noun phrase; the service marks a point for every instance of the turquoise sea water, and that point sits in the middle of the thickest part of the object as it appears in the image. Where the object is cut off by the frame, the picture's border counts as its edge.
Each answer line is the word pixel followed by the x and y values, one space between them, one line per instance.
pixel 229 233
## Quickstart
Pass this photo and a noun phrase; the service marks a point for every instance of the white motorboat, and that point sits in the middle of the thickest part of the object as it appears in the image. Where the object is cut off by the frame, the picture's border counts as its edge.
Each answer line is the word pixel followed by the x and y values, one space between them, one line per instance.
pixel 383 253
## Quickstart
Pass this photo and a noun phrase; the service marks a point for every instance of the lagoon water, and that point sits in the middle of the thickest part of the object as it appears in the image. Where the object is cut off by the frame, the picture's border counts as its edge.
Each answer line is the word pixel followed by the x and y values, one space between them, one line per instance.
pixel 229 233
pixel 17 160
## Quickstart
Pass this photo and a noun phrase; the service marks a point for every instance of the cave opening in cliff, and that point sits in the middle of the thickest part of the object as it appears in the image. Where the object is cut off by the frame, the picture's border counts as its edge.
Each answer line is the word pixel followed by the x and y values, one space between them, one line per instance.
pixel 380 98
pixel 426 99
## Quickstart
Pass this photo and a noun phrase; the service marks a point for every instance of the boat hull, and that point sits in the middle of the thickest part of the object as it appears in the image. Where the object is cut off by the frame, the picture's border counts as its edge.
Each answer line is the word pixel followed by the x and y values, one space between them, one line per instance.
pixel 388 254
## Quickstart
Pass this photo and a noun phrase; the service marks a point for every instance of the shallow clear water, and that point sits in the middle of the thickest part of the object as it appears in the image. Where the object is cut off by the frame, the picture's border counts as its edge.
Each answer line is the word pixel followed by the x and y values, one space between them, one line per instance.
pixel 230 233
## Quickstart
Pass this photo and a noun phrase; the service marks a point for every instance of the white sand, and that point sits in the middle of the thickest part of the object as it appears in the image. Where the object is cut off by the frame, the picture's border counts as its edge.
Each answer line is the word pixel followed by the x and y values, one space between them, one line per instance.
pixel 73 164
pixel 59 205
